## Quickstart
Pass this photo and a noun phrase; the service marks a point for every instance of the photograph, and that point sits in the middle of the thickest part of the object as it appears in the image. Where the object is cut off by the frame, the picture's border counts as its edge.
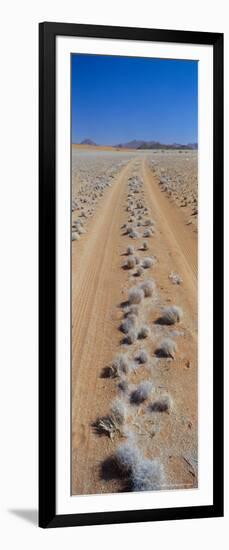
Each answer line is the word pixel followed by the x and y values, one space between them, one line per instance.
pixel 134 274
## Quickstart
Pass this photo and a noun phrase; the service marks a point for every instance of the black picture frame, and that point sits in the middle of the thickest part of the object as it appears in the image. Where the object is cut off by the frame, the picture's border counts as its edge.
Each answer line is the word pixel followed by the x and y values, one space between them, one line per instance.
pixel 47 274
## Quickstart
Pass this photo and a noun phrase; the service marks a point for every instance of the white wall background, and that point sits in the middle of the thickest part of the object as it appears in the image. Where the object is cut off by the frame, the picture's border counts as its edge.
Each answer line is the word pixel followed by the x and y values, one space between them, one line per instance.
pixel 18 271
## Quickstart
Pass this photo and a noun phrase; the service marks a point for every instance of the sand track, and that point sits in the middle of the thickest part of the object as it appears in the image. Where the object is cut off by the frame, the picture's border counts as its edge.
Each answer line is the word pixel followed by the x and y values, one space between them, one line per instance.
pixel 98 286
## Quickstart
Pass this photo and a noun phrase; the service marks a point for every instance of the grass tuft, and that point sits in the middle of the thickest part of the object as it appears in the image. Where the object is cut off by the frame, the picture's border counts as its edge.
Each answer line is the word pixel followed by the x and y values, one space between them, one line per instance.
pixel 148 288
pixel 135 296
pixel 171 315
pixel 167 348
pixel 142 392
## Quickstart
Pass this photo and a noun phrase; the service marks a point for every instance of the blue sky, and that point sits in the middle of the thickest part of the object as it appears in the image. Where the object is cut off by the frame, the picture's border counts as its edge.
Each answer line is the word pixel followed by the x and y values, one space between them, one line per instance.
pixel 117 99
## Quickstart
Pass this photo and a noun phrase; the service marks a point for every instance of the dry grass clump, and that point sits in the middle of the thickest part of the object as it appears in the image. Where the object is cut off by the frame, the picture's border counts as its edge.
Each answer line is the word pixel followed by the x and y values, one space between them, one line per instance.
pixel 149 222
pixel 147 262
pixel 120 365
pixel 75 236
pixel 81 230
pixel 130 263
pixel 148 288
pixel 147 233
pixel 127 456
pixel 142 357
pixel 128 323
pixel 144 332
pixel 175 278
pixel 119 411
pixel 130 250
pixel 171 315
pixel 142 392
pixel 131 337
pixel 113 422
pixel 133 309
pixel 134 234
pixel 135 296
pixel 167 348
pixel 145 245
pixel 161 405
pixel 139 271
pixel 123 385
pixel 147 475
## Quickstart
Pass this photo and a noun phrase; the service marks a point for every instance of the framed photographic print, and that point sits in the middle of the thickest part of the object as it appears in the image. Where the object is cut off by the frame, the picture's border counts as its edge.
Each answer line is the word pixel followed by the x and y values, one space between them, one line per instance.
pixel 131 275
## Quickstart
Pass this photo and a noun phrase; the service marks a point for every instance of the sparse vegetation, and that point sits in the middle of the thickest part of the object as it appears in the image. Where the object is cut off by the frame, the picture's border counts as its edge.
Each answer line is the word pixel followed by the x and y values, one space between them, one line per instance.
pixel 142 392
pixel 128 323
pixel 136 295
pixel 167 348
pixel 113 422
pixel 148 288
pixel 175 278
pixel 120 365
pixel 130 263
pixel 171 315
pixel 131 337
pixel 144 332
pixel 130 250
pixel 148 262
pixel 139 271
pixel 75 236
pixel 142 357
pixel 127 457
pixel 145 245
pixel 147 475
pixel 134 234
pixel 163 404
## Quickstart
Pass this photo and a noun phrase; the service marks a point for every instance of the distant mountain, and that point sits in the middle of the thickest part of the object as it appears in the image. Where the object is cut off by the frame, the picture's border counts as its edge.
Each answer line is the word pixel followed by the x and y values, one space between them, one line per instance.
pixel 141 144
pixel 87 141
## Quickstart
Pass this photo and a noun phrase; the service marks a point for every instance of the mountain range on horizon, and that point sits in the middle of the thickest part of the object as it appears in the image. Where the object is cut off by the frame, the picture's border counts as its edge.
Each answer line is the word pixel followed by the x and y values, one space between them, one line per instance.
pixel 143 144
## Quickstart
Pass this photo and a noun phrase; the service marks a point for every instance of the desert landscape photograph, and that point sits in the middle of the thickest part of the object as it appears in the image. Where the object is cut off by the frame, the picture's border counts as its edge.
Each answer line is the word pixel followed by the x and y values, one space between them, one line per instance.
pixel 134 260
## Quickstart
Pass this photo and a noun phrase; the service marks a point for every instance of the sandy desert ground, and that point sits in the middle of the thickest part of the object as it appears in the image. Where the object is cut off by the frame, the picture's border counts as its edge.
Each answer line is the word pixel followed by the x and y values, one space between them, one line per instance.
pixel 134 321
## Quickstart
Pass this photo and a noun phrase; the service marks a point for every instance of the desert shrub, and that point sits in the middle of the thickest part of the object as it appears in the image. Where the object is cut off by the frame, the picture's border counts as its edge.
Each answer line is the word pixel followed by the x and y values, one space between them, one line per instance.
pixel 119 411
pixel 130 250
pixel 131 337
pixel 129 228
pixel 142 392
pixel 147 262
pixel 139 271
pixel 171 315
pixel 81 230
pixel 175 278
pixel 147 475
pixel 144 332
pixel 75 236
pixel 142 357
pixel 148 288
pixel 128 323
pixel 163 404
pixel 147 233
pixel 132 310
pixel 130 263
pixel 149 222
pixel 121 365
pixel 113 422
pixel 167 348
pixel 123 385
pixel 135 295
pixel 127 457
pixel 134 234
pixel 137 260
pixel 145 245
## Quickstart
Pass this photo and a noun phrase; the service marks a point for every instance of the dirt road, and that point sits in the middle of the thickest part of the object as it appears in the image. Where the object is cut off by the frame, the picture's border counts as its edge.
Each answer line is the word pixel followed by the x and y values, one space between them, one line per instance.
pixel 99 284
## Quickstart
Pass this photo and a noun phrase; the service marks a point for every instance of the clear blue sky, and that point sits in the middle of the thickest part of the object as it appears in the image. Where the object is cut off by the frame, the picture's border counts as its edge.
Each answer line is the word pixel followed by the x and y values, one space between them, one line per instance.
pixel 117 99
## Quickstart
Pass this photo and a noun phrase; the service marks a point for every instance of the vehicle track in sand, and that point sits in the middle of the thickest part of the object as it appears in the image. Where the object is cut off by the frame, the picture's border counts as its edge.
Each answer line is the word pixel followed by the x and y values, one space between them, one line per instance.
pixel 99 284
